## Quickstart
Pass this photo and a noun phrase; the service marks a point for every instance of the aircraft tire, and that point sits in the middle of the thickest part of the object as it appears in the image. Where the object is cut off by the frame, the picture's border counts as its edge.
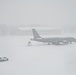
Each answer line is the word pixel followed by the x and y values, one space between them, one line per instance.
pixel 48 43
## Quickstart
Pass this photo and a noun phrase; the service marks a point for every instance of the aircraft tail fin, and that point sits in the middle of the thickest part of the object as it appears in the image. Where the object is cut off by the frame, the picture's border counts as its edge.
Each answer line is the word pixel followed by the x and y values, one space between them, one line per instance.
pixel 36 35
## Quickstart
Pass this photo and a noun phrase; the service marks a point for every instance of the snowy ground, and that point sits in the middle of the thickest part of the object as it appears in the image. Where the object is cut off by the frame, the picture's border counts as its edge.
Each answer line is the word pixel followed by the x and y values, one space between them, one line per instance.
pixel 38 59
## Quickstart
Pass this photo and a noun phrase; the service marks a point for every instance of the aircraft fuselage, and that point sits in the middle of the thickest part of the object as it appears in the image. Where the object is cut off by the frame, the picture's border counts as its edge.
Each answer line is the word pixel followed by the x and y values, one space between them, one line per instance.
pixel 55 40
pixel 52 40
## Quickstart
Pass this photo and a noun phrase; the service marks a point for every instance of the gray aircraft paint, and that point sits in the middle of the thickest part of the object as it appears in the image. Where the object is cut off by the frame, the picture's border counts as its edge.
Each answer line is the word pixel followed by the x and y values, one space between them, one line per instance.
pixel 54 40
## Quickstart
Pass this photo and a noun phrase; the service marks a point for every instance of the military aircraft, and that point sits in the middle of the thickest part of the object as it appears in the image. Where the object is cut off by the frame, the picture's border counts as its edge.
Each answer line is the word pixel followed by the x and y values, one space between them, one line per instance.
pixel 52 40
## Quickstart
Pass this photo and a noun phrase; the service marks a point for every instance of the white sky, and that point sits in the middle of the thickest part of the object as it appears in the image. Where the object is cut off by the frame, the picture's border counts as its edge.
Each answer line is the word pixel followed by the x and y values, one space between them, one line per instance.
pixel 51 12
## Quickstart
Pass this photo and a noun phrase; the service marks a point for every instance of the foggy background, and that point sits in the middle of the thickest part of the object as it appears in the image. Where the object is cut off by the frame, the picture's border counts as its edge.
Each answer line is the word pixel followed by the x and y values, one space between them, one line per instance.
pixel 16 16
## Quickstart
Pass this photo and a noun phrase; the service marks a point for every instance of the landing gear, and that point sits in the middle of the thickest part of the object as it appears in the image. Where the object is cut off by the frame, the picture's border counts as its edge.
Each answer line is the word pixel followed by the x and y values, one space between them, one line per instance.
pixel 48 43
pixel 70 42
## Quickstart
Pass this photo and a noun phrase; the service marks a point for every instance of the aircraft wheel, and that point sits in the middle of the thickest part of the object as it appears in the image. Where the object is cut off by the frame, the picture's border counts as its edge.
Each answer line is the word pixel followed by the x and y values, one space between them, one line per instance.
pixel 70 42
pixel 48 43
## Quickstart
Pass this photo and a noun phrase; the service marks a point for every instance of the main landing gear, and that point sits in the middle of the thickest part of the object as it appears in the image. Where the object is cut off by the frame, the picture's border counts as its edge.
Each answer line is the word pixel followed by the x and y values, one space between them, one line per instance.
pixel 48 43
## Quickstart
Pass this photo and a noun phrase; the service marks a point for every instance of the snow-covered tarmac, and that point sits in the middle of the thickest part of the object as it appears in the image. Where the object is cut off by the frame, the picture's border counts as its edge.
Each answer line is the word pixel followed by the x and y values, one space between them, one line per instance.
pixel 37 59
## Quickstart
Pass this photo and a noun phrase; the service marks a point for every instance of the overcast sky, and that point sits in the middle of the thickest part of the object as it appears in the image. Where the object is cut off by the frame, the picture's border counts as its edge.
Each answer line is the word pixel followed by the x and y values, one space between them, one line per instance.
pixel 48 12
